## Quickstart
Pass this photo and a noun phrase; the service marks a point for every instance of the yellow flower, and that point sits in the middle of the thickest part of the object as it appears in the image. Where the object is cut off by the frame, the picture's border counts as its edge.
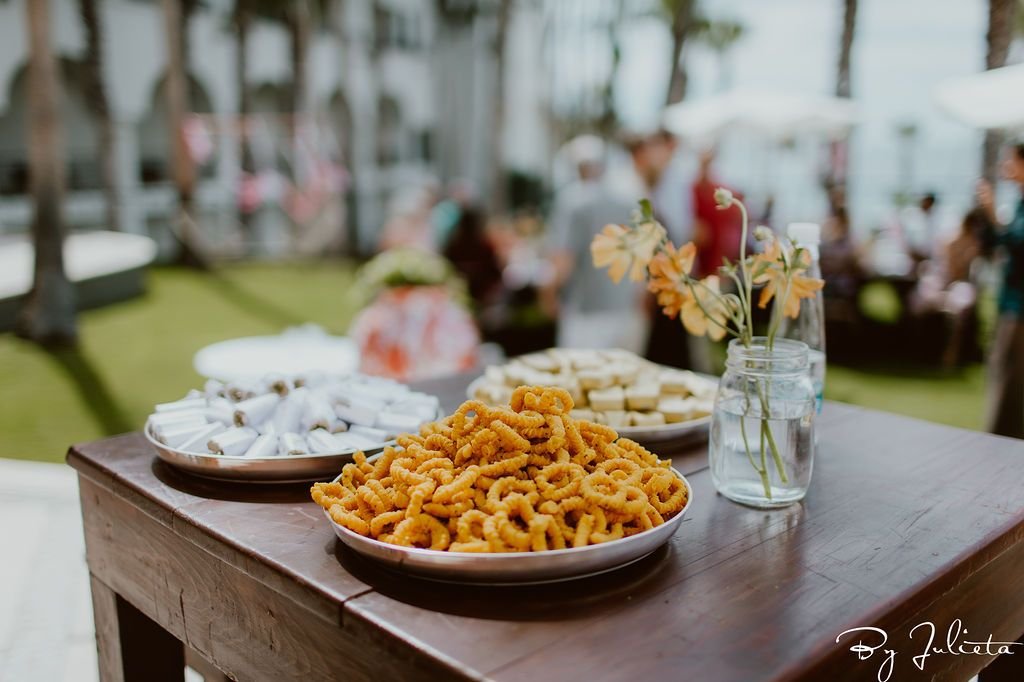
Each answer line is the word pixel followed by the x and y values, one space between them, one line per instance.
pixel 622 249
pixel 776 270
pixel 706 313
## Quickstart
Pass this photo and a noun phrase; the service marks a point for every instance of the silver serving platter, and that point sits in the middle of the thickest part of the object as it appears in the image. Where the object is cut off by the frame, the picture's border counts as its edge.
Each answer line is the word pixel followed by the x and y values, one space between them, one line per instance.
pixel 516 568
pixel 289 469
pixel 666 434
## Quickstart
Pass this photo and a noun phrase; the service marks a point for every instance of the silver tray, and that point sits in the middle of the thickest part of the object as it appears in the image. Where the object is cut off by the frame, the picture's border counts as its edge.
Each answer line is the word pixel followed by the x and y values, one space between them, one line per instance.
pixel 290 469
pixel 516 568
pixel 667 434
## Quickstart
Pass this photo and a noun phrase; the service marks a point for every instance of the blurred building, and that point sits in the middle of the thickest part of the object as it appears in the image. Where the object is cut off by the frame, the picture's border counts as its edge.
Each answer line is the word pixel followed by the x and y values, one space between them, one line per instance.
pixel 400 91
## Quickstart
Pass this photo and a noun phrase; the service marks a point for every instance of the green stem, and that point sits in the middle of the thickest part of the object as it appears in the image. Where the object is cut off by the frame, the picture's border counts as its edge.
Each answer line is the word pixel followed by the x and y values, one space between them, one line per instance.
pixel 766 425
pixel 748 280
pixel 722 301
pixel 763 469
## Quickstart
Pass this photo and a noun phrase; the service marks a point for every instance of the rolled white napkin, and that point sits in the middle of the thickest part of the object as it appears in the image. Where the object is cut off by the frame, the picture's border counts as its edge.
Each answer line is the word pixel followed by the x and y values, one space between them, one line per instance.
pixel 288 415
pixel 292 444
pixel 242 390
pixel 198 442
pixel 233 442
pixel 317 413
pixel 221 410
pixel 324 442
pixel 378 436
pixel 162 419
pixel 423 410
pixel 263 446
pixel 277 383
pixel 395 423
pixel 354 440
pixel 173 436
pixel 184 404
pixel 213 388
pixel 255 410
pixel 356 414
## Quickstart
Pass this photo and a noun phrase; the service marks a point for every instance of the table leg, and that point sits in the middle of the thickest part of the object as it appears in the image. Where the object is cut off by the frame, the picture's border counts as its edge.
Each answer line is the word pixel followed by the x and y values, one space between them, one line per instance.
pixel 132 647
pixel 1005 668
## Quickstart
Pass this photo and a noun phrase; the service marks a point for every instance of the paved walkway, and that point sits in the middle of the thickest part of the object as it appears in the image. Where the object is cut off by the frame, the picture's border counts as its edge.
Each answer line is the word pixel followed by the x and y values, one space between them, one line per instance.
pixel 46 630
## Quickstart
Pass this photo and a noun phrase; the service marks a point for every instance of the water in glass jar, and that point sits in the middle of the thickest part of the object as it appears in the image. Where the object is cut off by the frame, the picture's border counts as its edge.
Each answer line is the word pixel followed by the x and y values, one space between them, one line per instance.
pixel 735 476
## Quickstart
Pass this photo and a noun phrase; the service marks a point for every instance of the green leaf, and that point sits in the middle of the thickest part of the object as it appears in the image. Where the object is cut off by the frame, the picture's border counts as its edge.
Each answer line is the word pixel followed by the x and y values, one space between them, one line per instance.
pixel 646 210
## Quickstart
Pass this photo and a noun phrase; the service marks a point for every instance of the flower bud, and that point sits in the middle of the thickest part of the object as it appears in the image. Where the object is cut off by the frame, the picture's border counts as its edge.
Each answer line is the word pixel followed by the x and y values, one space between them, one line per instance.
pixel 763 233
pixel 723 198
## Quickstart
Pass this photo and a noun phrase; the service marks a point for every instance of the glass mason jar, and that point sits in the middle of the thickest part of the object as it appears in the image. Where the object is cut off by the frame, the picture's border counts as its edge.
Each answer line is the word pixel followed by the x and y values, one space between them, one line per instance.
pixel 761 447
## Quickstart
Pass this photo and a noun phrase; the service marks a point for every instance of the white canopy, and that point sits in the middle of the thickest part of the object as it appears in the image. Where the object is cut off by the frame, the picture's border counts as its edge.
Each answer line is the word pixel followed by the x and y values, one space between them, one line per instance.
pixel 990 99
pixel 774 114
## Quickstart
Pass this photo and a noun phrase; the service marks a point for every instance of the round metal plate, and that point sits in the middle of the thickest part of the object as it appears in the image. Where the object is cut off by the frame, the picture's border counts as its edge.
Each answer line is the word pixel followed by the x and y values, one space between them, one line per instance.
pixel 290 469
pixel 668 434
pixel 520 567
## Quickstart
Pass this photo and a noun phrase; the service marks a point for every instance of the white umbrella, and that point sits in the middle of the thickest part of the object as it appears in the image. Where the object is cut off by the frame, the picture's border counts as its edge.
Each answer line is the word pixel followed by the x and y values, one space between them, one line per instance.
pixel 774 114
pixel 990 99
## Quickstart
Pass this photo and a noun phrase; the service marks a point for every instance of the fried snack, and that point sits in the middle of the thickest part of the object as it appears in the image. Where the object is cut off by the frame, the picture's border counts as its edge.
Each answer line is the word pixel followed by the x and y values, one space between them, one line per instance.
pixel 526 479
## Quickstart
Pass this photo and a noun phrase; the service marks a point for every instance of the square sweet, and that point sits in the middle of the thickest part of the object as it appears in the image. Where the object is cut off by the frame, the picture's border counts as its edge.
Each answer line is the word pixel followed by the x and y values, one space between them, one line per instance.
pixel 676 382
pixel 616 418
pixel 605 399
pixel 597 377
pixel 582 413
pixel 642 396
pixel 585 359
pixel 677 409
pixel 624 372
pixel 541 362
pixel 646 419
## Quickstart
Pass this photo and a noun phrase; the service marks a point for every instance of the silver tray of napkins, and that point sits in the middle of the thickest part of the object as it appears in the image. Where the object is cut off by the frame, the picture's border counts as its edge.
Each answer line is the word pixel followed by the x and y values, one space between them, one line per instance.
pixel 285 429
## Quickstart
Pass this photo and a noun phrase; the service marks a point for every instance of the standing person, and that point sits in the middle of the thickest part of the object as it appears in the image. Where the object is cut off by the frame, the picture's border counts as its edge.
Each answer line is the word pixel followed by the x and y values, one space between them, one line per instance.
pixel 592 311
pixel 652 157
pixel 717 232
pixel 1006 362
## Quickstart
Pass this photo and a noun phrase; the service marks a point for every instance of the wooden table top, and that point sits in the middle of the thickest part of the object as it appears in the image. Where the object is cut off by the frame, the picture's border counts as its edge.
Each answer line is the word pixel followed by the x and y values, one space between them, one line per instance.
pixel 906 521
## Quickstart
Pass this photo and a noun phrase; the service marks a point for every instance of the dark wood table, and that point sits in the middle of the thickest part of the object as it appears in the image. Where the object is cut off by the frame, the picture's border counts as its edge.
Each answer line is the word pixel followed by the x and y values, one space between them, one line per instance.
pixel 906 522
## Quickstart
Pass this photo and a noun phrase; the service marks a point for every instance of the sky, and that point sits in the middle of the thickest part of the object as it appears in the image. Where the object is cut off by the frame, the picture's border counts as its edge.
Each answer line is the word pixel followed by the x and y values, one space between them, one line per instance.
pixel 902 50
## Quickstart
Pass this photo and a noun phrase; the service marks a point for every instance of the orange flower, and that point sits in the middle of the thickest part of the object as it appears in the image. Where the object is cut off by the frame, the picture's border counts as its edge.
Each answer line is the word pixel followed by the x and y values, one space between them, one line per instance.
pixel 667 276
pixel 698 303
pixel 706 313
pixel 622 249
pixel 775 271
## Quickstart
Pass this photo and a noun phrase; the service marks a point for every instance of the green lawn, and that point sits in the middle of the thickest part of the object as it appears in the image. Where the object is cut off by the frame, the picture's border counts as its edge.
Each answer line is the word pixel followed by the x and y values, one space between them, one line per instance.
pixel 138 353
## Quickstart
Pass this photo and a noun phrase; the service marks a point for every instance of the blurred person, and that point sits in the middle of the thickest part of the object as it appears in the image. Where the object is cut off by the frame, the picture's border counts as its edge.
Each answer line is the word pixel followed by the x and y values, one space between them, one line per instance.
pixel 840 258
pixel 947 286
pixel 592 311
pixel 1006 362
pixel 717 232
pixel 671 196
pixel 474 256
pixel 922 227
pixel 409 221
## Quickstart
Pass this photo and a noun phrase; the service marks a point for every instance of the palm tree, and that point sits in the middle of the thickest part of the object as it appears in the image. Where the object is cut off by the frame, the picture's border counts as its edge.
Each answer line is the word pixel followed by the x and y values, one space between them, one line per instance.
pixel 48 314
pixel 997 40
pixel 680 14
pixel 839 158
pixel 498 198
pixel 843 88
pixel 298 21
pixel 96 98
pixel 719 35
pixel 176 15
pixel 241 18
